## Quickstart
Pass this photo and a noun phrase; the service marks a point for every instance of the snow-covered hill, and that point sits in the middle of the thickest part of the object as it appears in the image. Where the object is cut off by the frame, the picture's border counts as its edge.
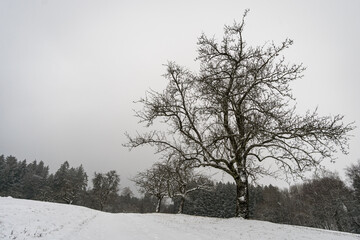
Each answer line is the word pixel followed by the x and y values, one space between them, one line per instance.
pixel 25 219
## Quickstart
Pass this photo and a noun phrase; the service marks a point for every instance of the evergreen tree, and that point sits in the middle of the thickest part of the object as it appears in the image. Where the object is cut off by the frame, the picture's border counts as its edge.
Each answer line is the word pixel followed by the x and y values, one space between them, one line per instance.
pixel 105 186
pixel 3 177
pixel 147 203
pixel 34 182
pixel 69 183
pixel 13 174
pixel 353 173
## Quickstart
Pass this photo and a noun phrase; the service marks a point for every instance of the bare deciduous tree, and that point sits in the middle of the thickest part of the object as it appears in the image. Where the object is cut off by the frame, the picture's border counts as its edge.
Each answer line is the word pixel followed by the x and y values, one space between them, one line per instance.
pixel 153 181
pixel 237 112
pixel 182 179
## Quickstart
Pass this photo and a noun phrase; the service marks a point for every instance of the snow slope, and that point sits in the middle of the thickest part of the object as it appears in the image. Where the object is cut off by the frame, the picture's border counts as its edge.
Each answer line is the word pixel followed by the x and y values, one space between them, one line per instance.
pixel 25 219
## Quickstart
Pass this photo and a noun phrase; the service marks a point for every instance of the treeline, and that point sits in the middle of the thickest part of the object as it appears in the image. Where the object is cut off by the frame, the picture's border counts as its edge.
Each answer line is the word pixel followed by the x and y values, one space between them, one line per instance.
pixel 325 202
pixel 322 203
pixel 21 179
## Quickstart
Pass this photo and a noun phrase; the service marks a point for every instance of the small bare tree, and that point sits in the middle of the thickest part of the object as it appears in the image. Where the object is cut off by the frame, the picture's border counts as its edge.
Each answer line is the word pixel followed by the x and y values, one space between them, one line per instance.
pixel 238 112
pixel 182 179
pixel 154 181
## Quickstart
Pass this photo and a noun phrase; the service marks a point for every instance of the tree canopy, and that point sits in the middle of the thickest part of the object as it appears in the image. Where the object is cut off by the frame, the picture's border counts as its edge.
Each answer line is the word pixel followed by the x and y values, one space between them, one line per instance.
pixel 239 111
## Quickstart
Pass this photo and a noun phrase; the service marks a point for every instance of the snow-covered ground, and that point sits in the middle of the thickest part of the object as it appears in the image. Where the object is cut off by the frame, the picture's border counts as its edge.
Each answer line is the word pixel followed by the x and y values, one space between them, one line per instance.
pixel 25 219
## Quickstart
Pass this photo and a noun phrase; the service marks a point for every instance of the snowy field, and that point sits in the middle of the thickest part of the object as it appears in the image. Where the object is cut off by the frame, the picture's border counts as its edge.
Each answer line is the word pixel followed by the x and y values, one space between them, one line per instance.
pixel 26 219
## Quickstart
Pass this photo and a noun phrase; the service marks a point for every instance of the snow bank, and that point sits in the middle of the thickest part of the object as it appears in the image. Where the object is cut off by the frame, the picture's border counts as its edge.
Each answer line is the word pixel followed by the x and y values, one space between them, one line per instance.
pixel 25 219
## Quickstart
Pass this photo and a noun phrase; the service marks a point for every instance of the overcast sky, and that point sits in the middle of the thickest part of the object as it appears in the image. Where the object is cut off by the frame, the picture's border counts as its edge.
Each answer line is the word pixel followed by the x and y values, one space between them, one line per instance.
pixel 70 70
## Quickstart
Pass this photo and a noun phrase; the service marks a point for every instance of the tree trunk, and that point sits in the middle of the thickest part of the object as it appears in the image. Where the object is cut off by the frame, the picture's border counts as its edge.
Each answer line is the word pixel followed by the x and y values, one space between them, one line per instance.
pixel 158 204
pixel 242 195
pixel 181 206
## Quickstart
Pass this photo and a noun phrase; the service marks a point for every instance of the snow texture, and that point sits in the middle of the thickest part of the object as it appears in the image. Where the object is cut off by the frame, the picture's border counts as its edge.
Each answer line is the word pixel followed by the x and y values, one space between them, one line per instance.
pixel 26 219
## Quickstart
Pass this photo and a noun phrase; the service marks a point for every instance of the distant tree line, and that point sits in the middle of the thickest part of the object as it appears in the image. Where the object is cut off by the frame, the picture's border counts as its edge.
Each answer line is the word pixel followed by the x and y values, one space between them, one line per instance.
pixel 323 202
pixel 69 185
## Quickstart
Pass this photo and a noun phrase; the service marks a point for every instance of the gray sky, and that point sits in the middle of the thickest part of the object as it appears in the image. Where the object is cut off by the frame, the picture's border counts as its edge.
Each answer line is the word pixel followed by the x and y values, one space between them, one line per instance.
pixel 70 69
